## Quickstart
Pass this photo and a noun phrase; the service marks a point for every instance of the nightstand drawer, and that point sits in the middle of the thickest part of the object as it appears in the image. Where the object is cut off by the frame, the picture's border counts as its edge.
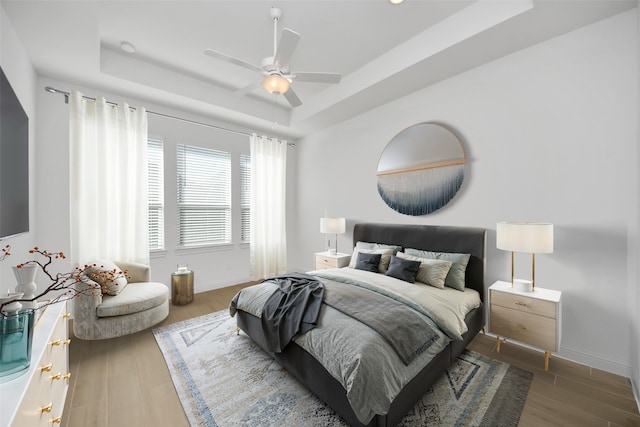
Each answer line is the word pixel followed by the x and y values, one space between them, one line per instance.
pixel 324 260
pixel 524 304
pixel 525 327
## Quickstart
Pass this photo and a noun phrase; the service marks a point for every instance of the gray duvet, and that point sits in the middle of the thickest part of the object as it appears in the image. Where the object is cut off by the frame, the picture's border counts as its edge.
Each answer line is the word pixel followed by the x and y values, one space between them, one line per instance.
pixel 367 366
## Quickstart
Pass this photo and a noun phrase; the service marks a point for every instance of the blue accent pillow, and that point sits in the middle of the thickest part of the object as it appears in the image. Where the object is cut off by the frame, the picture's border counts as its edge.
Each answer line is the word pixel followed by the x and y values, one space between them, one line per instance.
pixel 368 262
pixel 403 269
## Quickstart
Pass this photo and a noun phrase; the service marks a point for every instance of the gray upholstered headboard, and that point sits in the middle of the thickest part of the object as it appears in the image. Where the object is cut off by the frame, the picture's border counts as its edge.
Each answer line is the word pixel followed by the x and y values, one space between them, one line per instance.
pixel 466 240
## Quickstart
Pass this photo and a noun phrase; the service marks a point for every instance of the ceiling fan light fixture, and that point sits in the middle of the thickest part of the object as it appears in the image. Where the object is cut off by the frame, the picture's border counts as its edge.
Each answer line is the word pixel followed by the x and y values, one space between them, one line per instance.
pixel 275 83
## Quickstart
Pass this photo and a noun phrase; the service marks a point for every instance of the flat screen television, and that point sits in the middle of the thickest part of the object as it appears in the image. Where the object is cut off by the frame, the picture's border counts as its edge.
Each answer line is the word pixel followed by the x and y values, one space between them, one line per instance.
pixel 14 162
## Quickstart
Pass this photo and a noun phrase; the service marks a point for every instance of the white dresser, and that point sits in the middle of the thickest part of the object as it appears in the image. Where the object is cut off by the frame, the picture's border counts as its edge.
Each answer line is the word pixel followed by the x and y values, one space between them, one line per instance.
pixel 37 397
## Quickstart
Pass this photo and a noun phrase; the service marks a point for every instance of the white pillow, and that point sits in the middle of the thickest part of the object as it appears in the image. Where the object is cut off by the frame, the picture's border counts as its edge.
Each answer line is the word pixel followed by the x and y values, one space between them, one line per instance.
pixel 432 271
pixel 111 279
pixel 370 245
pixel 384 259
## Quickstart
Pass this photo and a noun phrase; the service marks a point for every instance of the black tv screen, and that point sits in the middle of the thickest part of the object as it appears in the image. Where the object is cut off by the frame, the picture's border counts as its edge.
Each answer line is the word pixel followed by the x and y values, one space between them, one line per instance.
pixel 14 162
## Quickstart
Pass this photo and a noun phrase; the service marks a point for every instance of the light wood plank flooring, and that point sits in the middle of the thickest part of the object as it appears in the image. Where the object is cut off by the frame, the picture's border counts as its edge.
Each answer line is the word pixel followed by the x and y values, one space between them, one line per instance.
pixel 124 382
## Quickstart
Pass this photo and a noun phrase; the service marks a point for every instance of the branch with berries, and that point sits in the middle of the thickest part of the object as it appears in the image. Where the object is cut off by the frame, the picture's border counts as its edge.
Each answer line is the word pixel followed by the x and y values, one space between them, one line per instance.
pixel 62 285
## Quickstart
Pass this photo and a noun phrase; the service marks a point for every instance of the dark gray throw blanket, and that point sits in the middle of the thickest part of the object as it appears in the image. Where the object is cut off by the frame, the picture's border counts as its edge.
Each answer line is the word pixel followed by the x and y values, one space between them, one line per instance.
pixel 407 331
pixel 291 310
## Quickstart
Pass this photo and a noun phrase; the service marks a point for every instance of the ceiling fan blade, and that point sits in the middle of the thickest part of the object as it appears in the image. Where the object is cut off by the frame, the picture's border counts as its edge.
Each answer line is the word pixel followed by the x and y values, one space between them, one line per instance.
pixel 288 42
pixel 247 89
pixel 292 98
pixel 317 77
pixel 223 56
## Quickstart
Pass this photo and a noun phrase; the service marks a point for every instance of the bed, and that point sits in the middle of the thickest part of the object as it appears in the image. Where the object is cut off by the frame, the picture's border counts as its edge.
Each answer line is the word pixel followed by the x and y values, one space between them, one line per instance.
pixel 297 357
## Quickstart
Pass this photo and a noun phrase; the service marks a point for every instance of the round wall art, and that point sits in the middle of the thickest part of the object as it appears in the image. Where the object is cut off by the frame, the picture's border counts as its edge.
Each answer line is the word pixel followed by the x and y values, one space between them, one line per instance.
pixel 421 169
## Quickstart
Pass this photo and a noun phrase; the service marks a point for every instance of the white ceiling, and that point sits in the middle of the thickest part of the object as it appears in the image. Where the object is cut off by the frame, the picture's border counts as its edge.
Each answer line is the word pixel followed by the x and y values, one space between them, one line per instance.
pixel 382 51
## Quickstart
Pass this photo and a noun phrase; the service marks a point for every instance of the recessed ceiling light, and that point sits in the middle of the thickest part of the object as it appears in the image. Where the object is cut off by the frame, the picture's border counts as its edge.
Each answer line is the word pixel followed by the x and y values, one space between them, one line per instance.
pixel 128 47
pixel 395 1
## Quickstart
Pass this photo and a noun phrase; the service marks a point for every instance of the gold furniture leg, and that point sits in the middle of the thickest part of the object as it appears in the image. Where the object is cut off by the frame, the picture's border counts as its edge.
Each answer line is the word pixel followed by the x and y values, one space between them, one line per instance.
pixel 547 356
pixel 237 330
pixel 498 344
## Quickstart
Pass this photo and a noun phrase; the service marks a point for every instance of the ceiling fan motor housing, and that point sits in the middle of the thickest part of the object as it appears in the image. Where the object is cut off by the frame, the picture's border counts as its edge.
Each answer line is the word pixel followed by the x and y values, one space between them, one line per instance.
pixel 275 13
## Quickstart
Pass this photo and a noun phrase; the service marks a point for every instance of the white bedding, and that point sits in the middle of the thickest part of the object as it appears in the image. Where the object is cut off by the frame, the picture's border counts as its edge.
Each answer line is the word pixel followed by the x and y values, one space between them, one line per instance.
pixel 448 307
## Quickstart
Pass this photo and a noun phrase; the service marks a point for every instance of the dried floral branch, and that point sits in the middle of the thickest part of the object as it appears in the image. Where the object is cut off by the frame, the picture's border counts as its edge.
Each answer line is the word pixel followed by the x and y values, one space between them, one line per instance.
pixel 64 284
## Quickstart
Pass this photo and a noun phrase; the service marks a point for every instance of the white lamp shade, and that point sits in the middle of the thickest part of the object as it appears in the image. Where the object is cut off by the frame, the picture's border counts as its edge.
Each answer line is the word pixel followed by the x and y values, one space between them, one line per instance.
pixel 530 237
pixel 333 225
pixel 275 83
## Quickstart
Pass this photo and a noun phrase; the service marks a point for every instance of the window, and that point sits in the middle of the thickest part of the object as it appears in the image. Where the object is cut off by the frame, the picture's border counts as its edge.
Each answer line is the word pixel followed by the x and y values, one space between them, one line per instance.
pixel 245 197
pixel 155 162
pixel 204 196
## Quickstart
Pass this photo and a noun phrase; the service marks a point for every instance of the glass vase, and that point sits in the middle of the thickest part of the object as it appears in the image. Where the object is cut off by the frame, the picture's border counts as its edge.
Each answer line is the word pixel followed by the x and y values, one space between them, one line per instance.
pixel 16 336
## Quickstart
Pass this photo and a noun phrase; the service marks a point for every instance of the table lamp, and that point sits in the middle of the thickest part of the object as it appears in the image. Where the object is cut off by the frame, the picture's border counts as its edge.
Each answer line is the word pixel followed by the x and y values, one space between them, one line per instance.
pixel 527 237
pixel 335 226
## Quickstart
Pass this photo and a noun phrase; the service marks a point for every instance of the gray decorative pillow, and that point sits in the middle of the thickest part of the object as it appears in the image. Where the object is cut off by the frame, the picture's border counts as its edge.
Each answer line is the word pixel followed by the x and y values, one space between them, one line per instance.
pixel 455 278
pixel 384 259
pixel 368 262
pixel 432 272
pixel 369 245
pixel 105 273
pixel 403 269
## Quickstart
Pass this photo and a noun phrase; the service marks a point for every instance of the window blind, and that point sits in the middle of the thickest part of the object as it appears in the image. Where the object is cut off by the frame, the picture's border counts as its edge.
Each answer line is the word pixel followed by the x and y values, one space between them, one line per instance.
pixel 204 196
pixel 245 197
pixel 155 162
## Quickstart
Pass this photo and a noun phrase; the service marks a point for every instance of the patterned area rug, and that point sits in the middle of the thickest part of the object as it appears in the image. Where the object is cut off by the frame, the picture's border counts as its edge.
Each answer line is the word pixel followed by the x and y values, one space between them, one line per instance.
pixel 223 379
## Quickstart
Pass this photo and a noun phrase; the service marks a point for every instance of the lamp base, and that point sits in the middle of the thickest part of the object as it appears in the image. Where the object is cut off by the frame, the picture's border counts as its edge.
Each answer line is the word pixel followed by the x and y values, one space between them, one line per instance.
pixel 332 251
pixel 523 285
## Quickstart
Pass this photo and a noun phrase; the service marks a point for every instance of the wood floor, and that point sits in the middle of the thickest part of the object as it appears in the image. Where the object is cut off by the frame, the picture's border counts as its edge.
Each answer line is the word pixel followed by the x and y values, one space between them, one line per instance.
pixel 124 382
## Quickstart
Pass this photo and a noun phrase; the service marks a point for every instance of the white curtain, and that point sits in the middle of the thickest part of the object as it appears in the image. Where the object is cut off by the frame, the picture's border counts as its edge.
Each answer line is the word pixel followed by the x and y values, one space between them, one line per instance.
pixel 268 219
pixel 108 194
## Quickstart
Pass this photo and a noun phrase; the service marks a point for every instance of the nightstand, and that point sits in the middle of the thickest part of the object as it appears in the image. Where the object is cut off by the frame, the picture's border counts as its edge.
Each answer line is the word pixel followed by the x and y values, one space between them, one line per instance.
pixel 324 260
pixel 528 317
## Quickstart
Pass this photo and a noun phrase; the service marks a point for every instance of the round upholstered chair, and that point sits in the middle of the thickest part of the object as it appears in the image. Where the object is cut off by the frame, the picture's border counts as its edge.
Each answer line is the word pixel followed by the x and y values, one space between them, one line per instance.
pixel 138 304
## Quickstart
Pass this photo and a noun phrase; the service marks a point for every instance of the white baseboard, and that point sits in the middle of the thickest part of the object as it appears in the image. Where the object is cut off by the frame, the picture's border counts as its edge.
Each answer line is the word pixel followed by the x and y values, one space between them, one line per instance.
pixel 222 284
pixel 595 361
pixel 579 356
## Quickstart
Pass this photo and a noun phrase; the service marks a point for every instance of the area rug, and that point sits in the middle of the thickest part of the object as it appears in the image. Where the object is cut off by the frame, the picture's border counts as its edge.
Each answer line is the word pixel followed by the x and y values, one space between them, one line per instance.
pixel 224 379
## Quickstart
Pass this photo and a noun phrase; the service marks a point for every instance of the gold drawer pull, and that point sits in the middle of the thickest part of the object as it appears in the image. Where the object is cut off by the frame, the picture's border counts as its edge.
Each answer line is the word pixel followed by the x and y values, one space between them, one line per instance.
pixel 47 409
pixel 56 376
pixel 55 343
pixel 46 368
pixel 56 420
pixel 67 376
pixel 67 341
pixel 66 315
pixel 524 304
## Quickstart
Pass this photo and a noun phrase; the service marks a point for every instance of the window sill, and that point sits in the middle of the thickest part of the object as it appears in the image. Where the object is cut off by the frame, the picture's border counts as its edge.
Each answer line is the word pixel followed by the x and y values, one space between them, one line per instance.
pixel 204 248
pixel 158 253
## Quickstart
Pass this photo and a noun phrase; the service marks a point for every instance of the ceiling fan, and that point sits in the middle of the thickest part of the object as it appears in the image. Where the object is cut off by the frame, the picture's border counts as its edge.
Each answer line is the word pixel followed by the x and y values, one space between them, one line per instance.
pixel 277 78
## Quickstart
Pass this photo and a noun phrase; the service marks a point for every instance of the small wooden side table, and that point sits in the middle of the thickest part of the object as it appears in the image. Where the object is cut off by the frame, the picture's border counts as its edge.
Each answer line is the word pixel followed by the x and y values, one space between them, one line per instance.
pixel 182 287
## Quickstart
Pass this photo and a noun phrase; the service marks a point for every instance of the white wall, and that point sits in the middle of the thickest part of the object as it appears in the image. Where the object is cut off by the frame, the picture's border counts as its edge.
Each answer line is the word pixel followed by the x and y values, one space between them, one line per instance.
pixel 213 267
pixel 551 135
pixel 21 76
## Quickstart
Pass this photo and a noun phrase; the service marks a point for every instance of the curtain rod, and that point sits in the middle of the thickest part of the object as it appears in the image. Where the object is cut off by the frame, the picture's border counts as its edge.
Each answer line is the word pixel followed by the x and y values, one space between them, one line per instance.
pixel 66 101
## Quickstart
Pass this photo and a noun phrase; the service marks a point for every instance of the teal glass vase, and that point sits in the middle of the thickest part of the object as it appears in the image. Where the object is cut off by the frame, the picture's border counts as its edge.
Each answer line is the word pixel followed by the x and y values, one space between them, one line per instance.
pixel 16 336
